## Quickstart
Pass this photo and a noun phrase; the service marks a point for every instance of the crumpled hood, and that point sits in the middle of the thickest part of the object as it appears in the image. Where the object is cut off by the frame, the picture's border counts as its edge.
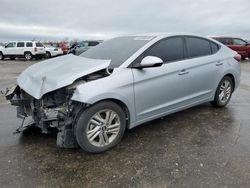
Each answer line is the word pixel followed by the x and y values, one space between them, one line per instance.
pixel 56 73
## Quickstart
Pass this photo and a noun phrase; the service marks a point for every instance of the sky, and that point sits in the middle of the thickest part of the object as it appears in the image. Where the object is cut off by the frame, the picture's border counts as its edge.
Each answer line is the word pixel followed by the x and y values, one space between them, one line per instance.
pixel 103 19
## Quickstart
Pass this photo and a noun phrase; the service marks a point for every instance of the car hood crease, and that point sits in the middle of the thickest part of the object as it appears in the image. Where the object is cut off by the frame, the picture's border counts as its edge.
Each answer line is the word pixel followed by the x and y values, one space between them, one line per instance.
pixel 56 73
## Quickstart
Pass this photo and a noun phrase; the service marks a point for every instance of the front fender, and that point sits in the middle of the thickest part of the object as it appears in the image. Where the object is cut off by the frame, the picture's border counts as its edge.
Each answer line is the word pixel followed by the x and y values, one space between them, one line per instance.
pixel 118 86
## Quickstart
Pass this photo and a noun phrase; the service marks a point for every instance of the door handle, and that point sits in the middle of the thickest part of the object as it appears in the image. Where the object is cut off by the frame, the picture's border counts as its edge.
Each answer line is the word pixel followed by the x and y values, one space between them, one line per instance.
pixel 183 72
pixel 219 63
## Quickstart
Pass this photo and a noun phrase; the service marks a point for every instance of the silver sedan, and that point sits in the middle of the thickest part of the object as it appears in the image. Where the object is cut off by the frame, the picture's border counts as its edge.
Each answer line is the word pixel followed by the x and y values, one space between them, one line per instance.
pixel 126 81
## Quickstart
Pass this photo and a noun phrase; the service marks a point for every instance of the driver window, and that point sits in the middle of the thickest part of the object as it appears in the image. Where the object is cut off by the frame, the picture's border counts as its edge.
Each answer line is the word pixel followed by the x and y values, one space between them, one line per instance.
pixel 11 45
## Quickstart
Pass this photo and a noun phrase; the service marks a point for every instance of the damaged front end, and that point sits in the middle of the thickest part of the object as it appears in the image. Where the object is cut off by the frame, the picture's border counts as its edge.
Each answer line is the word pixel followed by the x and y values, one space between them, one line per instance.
pixel 53 110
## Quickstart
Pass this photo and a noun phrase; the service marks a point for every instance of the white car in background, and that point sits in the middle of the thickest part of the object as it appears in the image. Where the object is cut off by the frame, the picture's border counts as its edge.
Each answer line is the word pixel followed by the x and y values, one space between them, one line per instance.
pixel 26 49
pixel 52 51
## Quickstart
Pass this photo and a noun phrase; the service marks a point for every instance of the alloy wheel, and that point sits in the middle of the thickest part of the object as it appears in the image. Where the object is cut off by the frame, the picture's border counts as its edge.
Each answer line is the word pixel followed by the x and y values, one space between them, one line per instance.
pixel 225 91
pixel 103 128
pixel 28 56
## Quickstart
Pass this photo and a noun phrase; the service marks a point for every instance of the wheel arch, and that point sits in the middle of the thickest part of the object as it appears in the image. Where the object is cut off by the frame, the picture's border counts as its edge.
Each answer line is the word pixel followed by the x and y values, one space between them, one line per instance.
pixel 84 105
pixel 27 52
pixel 121 104
pixel 233 79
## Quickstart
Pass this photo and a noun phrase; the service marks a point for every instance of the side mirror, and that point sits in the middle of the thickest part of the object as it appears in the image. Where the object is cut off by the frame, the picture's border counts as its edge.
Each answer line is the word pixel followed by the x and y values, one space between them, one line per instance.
pixel 150 61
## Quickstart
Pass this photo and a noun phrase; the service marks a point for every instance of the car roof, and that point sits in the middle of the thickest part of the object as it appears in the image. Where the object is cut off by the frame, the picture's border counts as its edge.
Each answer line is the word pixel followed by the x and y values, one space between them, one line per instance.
pixel 227 37
pixel 23 41
pixel 165 34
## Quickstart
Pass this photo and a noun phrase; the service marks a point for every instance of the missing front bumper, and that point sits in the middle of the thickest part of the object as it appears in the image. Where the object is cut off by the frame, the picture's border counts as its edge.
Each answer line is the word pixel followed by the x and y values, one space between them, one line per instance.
pixel 27 123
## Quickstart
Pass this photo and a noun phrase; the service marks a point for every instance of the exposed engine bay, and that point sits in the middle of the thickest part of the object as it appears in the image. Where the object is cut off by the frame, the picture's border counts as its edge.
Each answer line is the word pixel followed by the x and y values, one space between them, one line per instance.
pixel 54 110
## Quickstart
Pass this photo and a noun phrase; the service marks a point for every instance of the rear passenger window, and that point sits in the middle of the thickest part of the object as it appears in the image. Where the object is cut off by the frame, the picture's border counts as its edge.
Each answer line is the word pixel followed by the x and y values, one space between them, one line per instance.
pixel 225 41
pixel 20 44
pixel 198 47
pixel 29 44
pixel 171 49
pixel 38 44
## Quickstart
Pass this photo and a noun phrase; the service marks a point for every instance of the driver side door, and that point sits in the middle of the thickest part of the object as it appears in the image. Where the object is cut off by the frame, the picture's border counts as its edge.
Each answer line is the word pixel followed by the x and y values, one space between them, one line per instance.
pixel 10 49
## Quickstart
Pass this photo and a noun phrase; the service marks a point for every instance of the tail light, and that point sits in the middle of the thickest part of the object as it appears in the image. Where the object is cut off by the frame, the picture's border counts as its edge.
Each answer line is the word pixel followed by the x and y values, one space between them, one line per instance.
pixel 35 49
pixel 237 57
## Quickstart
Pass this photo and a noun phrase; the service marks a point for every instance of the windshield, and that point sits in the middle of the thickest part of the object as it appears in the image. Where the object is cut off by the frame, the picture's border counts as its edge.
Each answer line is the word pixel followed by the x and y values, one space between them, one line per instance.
pixel 118 50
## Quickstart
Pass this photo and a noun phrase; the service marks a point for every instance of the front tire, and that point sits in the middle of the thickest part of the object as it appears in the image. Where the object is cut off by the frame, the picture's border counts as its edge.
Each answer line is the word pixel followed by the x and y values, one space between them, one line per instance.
pixel 100 127
pixel 224 92
pixel 28 56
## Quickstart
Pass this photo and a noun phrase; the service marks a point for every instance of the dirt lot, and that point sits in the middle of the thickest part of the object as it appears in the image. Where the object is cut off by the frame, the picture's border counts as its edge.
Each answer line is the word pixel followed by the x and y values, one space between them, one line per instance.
pixel 198 147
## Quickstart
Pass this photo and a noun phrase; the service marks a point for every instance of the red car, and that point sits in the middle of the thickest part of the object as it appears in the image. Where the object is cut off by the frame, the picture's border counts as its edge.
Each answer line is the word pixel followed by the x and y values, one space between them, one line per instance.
pixel 61 45
pixel 237 44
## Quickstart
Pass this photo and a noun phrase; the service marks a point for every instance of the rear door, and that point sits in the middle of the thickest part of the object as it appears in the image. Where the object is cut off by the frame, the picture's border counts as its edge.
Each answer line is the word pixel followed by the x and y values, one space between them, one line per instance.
pixel 159 90
pixel 240 46
pixel 29 47
pixel 20 48
pixel 205 68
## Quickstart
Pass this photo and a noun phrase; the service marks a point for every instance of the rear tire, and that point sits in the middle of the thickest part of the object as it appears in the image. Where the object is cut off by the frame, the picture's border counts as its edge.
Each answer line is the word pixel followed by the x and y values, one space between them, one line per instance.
pixel 1 56
pixel 48 55
pixel 28 56
pixel 223 92
pixel 100 127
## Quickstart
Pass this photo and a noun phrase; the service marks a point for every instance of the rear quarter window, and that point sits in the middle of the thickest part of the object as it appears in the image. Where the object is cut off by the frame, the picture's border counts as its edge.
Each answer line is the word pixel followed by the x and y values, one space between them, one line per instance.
pixel 38 44
pixel 198 47
pixel 214 47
